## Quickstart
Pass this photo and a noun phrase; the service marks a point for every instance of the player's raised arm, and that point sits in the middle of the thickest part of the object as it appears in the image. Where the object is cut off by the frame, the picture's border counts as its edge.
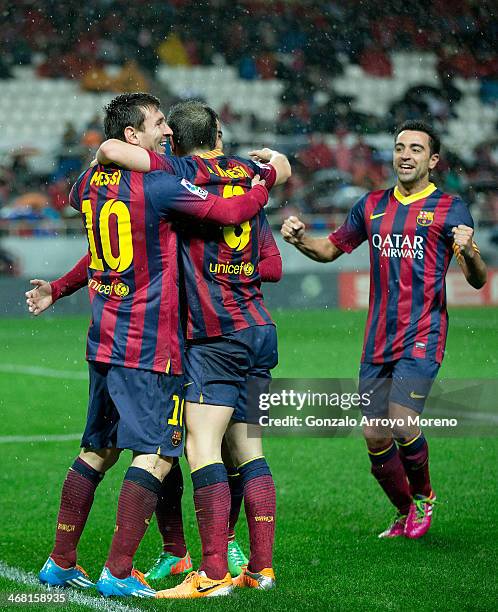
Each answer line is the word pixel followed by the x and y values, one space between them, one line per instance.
pixel 469 256
pixel 128 156
pixel 278 160
pixel 320 249
pixel 167 193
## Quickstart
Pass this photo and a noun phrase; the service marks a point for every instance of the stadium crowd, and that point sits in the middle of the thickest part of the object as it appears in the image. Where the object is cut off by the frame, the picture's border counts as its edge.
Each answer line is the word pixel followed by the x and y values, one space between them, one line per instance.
pixel 324 134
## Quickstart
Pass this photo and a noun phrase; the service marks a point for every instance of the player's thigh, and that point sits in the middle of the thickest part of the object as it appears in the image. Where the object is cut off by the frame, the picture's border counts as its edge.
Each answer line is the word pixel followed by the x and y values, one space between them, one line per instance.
pixel 150 406
pixel 244 441
pixel 206 425
pixel 375 382
pixel 412 382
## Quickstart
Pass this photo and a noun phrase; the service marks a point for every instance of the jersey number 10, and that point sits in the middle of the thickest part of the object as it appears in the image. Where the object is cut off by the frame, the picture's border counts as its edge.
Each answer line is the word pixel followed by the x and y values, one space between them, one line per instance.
pixel 121 260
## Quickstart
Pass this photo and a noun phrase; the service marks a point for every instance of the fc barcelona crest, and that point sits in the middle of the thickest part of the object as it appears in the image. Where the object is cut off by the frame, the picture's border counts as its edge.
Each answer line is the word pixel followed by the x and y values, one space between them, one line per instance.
pixel 176 438
pixel 425 218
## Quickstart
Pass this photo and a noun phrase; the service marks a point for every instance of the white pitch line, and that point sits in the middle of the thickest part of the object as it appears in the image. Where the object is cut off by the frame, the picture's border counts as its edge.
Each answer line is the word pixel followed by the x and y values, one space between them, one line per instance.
pixel 20 577
pixel 40 438
pixel 8 368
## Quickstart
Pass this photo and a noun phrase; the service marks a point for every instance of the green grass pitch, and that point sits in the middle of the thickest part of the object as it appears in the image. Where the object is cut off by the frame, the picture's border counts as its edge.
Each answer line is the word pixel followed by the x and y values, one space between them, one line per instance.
pixel 330 510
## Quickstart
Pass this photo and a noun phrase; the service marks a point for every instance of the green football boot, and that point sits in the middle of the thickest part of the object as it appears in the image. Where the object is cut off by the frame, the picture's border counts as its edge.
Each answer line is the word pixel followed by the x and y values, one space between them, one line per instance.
pixel 169 565
pixel 236 558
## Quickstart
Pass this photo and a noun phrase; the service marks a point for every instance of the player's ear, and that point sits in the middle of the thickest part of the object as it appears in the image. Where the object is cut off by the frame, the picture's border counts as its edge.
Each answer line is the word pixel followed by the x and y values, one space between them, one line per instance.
pixel 130 135
pixel 433 161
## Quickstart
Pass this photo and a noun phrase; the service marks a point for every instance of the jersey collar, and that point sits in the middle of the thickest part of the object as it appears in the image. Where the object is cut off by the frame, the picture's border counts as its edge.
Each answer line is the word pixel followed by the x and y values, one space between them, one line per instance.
pixel 405 200
pixel 211 154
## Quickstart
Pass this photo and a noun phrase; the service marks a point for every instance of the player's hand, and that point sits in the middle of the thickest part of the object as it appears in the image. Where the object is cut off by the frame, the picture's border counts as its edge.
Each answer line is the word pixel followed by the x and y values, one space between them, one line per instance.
pixel 257 180
pixel 262 155
pixel 293 230
pixel 463 238
pixel 39 298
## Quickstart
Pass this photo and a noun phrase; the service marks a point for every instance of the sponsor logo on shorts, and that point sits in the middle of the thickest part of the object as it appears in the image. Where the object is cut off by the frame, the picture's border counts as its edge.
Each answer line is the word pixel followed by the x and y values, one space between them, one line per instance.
pixel 176 437
pixel 108 289
pixel 201 193
pixel 425 218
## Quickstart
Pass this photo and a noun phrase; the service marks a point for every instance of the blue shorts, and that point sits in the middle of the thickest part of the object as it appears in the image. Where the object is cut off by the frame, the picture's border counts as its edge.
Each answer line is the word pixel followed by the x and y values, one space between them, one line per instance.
pixel 139 410
pixel 406 381
pixel 225 370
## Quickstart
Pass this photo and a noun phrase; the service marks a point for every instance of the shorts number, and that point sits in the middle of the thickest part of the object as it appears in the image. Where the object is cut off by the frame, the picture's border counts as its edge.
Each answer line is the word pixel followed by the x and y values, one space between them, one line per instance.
pixel 236 236
pixel 124 257
pixel 178 408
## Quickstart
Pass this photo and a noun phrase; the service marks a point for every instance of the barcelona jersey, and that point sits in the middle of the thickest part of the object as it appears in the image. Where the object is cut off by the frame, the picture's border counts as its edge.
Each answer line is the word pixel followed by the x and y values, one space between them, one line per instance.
pixel 411 245
pixel 133 264
pixel 219 265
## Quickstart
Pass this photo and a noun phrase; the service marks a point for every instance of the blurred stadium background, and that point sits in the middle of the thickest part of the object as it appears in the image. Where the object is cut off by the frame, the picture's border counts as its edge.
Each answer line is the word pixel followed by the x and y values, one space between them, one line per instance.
pixel 324 82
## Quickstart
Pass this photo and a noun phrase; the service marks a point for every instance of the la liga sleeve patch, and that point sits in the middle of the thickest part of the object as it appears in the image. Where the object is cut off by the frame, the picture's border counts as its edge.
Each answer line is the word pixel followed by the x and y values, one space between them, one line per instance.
pixel 194 189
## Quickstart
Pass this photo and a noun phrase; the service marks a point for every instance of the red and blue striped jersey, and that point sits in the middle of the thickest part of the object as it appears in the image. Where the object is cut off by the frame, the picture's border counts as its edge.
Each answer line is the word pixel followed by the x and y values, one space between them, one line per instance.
pixel 219 265
pixel 133 274
pixel 411 245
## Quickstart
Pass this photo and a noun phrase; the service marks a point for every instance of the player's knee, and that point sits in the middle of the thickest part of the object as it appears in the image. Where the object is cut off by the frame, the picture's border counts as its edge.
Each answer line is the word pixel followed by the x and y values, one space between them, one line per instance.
pixel 376 437
pixel 101 459
pixel 157 465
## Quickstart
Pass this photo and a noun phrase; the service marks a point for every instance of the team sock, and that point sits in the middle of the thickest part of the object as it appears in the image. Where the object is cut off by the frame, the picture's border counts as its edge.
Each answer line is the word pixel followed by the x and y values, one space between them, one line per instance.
pixel 260 506
pixel 212 507
pixel 236 485
pixel 169 512
pixel 77 496
pixel 414 455
pixel 390 474
pixel 136 505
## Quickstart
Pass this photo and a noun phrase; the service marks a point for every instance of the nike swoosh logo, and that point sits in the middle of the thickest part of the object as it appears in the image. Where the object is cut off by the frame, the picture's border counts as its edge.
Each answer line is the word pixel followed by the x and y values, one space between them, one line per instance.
pixel 377 216
pixel 208 588
pixel 187 384
pixel 413 395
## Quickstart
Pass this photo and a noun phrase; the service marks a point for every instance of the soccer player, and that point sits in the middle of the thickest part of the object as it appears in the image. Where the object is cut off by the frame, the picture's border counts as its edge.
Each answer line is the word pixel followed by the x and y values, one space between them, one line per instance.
pixel 135 342
pixel 412 230
pixel 231 344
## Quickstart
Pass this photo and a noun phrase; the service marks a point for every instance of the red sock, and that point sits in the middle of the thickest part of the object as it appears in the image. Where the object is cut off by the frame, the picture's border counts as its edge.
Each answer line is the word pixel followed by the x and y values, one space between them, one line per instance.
pixel 137 502
pixel 169 513
pixel 236 496
pixel 260 505
pixel 415 457
pixel 76 501
pixel 390 474
pixel 212 507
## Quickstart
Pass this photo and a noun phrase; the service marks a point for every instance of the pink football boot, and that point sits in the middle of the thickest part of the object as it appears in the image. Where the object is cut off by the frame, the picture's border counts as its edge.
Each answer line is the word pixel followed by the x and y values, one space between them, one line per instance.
pixel 420 516
pixel 396 528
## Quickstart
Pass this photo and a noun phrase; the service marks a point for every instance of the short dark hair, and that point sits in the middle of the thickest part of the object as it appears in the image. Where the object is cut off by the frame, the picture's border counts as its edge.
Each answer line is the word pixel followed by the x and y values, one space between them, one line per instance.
pixel 194 126
pixel 421 126
pixel 127 109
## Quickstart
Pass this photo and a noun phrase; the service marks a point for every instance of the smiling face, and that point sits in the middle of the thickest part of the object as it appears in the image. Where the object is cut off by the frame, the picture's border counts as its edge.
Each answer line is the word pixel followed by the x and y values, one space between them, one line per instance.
pixel 154 132
pixel 412 159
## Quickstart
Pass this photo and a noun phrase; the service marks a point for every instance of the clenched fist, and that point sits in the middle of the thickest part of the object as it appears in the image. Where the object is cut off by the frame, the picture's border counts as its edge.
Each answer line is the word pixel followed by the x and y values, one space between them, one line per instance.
pixel 293 230
pixel 462 236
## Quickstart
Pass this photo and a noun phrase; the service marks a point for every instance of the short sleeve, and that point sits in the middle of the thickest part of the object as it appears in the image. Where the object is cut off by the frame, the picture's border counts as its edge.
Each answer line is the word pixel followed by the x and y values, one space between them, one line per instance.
pixel 186 167
pixel 353 231
pixel 457 215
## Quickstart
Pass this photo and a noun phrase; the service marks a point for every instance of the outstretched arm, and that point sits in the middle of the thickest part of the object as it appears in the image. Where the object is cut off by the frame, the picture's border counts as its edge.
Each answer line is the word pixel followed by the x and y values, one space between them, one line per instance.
pixel 44 294
pixel 469 256
pixel 319 249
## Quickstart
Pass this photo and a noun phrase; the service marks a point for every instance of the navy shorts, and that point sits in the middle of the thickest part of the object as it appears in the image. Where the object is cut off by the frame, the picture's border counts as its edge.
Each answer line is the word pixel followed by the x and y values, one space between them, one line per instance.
pixel 139 410
pixel 406 381
pixel 225 370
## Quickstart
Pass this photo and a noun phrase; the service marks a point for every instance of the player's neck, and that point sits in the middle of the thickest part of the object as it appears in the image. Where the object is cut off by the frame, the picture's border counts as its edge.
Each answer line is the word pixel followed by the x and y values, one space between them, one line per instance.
pixel 198 151
pixel 408 189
